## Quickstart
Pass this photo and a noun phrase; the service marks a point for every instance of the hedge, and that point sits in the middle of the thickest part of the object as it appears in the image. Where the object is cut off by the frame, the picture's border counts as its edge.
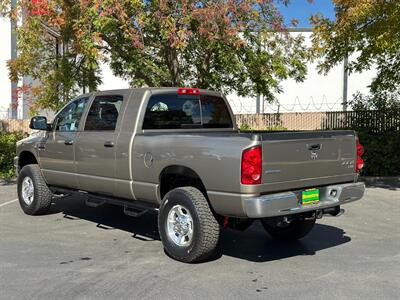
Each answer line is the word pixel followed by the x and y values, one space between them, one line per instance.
pixel 381 153
pixel 7 153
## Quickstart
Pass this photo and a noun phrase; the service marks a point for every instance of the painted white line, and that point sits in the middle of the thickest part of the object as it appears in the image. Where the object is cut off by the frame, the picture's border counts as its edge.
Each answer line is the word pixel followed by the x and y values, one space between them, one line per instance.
pixel 9 202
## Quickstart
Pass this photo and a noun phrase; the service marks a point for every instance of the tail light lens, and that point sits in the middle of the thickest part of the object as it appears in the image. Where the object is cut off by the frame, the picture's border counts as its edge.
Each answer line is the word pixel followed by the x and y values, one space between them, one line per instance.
pixel 359 152
pixel 251 170
pixel 188 91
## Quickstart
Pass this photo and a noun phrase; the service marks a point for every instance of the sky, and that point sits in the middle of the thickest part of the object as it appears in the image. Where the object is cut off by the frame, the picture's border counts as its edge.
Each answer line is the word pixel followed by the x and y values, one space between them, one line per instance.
pixel 302 9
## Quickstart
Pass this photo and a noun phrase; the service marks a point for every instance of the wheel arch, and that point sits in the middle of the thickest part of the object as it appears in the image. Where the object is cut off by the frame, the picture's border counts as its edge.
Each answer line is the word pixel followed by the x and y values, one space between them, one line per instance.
pixel 26 158
pixel 178 176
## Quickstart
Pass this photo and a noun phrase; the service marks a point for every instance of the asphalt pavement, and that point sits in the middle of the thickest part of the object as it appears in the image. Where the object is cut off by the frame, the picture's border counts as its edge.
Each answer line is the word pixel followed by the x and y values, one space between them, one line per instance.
pixel 78 252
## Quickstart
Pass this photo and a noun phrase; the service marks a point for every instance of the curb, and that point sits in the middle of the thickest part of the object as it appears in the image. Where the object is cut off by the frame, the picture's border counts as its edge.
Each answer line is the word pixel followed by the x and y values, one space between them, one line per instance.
pixel 379 181
pixel 8 181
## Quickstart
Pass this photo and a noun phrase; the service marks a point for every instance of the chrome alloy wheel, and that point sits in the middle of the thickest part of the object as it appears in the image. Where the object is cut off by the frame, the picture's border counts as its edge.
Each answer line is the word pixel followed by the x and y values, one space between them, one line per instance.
pixel 28 190
pixel 180 225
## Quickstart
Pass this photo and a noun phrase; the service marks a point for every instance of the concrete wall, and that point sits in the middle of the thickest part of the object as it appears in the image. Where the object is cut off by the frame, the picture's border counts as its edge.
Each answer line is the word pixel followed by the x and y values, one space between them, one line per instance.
pixel 5 54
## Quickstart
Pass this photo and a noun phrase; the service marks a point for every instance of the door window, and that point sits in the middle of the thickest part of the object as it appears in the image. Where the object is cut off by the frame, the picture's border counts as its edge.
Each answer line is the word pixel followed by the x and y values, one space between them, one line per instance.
pixel 104 112
pixel 68 119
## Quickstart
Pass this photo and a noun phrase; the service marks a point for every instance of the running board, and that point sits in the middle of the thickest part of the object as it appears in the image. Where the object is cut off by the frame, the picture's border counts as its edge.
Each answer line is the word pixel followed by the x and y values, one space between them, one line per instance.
pixel 134 212
pixel 94 202
pixel 133 208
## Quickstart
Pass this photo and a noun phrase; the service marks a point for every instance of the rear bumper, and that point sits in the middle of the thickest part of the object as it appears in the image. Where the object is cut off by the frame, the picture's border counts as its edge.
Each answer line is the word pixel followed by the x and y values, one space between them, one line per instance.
pixel 287 203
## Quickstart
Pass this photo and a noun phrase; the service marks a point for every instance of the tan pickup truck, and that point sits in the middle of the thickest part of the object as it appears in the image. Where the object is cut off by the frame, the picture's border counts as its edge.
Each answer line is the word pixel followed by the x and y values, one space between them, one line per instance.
pixel 178 151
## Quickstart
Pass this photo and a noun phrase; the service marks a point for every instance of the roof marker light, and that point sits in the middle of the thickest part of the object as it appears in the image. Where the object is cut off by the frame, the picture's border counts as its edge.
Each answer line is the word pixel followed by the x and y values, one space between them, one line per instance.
pixel 188 91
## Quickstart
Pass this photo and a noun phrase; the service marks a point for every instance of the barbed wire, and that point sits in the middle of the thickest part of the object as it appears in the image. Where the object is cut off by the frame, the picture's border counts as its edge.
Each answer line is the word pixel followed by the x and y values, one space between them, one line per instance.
pixel 244 106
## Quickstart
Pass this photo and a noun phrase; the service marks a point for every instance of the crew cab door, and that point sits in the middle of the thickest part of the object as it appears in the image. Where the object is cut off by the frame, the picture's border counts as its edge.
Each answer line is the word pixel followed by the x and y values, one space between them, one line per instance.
pixel 57 153
pixel 96 144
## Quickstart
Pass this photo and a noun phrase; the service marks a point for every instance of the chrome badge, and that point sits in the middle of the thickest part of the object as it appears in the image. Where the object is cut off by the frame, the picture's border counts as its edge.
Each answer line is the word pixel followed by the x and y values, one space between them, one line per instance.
pixel 314 155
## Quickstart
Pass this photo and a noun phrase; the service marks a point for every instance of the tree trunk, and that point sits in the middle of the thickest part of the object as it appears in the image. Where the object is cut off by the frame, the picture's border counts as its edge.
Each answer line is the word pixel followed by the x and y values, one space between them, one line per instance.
pixel 173 66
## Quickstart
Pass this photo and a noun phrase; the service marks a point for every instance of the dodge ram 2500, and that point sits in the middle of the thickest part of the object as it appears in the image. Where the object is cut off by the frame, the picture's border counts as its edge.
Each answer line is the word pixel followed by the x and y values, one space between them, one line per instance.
pixel 178 151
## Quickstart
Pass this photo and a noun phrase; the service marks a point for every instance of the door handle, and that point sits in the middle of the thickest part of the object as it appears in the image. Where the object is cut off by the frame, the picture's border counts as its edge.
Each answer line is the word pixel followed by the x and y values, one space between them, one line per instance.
pixel 69 142
pixel 109 144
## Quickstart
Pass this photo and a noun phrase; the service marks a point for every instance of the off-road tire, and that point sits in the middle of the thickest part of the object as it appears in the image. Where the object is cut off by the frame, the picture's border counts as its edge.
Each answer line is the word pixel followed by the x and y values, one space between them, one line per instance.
pixel 206 229
pixel 296 230
pixel 42 195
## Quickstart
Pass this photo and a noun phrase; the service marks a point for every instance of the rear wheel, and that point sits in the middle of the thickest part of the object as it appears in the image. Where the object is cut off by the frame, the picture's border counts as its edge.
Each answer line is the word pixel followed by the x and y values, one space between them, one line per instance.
pixel 296 229
pixel 188 229
pixel 33 194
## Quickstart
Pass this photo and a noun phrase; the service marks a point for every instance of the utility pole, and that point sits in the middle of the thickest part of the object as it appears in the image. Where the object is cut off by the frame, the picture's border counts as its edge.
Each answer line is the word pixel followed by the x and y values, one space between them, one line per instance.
pixel 258 104
pixel 345 82
pixel 14 84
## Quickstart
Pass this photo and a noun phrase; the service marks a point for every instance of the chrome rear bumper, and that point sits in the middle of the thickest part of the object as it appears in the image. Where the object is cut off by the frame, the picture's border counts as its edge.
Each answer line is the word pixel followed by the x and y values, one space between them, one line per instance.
pixel 287 203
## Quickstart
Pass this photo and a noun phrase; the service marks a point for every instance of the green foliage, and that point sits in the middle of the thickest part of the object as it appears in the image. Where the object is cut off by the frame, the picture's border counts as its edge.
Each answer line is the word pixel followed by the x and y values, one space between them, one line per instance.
pixel 221 45
pixel 60 72
pixel 381 143
pixel 247 127
pixel 381 153
pixel 368 28
pixel 7 153
pixel 379 112
pixel 239 46
pixel 275 128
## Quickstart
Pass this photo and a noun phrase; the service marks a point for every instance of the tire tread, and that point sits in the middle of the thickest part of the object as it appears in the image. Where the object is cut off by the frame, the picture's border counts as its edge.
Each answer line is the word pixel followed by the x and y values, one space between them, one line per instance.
pixel 209 227
pixel 43 195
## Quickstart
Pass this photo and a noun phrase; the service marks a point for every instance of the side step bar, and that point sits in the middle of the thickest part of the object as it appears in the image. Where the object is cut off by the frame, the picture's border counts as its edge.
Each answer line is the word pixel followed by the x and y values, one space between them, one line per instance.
pixel 133 208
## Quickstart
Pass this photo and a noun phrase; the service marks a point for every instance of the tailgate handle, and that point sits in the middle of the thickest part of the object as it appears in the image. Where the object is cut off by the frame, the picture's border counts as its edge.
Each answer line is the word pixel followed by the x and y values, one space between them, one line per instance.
pixel 314 146
pixel 109 144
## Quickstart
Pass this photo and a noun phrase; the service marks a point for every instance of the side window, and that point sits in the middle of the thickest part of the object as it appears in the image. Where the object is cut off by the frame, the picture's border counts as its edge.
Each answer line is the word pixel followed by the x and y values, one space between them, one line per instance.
pixel 172 112
pixel 68 119
pixel 215 112
pixel 103 114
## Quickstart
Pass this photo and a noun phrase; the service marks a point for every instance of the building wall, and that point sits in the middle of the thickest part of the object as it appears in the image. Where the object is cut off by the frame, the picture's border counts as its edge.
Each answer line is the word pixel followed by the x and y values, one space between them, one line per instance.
pixel 5 54
pixel 317 92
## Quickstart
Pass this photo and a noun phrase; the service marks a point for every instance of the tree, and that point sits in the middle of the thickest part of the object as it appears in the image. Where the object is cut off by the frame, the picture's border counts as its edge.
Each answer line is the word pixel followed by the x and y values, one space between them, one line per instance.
pixel 51 51
pixel 228 45
pixel 370 29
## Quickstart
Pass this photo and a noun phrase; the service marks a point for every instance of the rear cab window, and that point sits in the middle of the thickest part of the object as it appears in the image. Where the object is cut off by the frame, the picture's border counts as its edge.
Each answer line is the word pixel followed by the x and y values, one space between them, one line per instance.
pixel 173 111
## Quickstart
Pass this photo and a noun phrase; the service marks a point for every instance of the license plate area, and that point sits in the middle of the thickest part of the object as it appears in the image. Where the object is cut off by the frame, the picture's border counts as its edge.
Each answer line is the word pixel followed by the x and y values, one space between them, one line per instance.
pixel 310 196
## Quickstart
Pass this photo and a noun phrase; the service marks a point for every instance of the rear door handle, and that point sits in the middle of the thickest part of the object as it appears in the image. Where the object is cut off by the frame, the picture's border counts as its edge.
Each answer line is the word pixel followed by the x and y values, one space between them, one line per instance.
pixel 109 144
pixel 69 142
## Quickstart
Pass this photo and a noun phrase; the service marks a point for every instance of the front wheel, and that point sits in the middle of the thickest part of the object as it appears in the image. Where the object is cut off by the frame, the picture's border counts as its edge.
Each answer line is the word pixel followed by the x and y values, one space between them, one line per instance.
pixel 294 230
pixel 188 229
pixel 33 193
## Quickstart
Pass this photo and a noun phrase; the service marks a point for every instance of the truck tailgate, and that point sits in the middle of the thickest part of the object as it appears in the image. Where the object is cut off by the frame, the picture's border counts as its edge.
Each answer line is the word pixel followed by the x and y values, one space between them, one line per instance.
pixel 293 159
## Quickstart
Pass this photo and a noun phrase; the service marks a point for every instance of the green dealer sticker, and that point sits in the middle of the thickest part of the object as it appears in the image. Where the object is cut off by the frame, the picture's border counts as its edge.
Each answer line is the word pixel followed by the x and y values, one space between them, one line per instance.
pixel 310 196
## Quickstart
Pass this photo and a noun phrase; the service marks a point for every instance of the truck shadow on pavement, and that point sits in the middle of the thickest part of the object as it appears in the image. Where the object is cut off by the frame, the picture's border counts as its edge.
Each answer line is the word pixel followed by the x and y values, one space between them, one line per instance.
pixel 254 244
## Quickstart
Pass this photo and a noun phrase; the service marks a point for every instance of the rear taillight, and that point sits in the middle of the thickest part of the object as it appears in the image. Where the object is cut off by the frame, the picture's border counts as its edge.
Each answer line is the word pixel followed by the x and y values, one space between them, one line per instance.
pixel 359 152
pixel 251 170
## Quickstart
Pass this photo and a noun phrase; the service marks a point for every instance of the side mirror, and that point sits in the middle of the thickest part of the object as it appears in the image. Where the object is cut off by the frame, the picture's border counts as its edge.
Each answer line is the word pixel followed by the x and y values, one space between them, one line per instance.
pixel 39 123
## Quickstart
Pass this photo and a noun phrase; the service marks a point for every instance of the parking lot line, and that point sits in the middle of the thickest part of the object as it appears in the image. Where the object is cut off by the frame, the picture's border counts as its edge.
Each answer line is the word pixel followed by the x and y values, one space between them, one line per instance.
pixel 9 202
